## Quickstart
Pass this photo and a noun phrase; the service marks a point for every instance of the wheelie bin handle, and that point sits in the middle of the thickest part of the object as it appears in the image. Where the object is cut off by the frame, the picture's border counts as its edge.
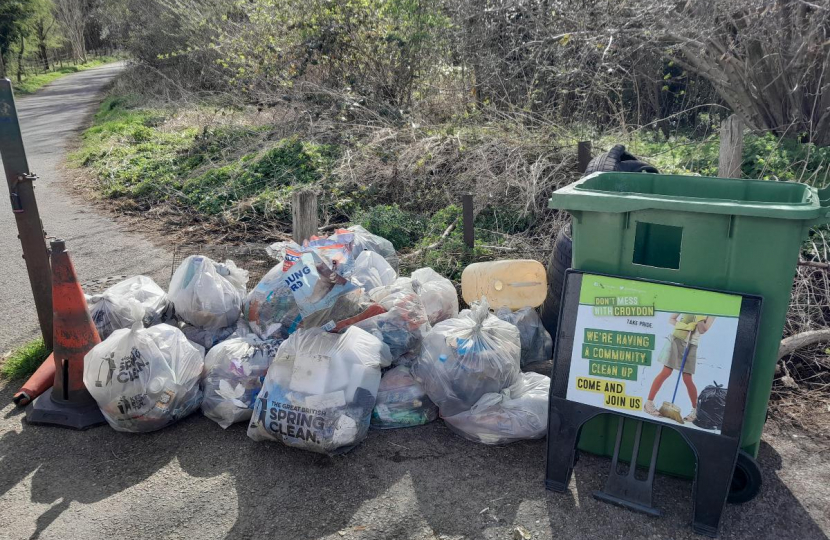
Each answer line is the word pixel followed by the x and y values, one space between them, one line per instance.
pixel 824 195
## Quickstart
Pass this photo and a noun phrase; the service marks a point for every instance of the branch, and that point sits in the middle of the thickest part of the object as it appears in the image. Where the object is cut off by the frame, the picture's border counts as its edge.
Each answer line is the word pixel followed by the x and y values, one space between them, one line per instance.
pixel 434 244
pixel 804 339
pixel 815 264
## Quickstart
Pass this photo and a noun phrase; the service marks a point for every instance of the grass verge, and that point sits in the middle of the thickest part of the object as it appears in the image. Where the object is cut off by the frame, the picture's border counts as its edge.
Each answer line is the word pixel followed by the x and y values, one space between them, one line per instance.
pixel 25 360
pixel 32 83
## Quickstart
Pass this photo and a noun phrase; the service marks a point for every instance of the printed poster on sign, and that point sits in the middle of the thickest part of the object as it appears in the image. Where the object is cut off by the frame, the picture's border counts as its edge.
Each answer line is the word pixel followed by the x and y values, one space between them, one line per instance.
pixel 660 352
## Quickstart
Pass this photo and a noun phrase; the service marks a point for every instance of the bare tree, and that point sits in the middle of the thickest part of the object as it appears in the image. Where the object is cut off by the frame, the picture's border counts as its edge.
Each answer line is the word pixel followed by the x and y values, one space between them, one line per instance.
pixel 41 29
pixel 72 15
pixel 769 60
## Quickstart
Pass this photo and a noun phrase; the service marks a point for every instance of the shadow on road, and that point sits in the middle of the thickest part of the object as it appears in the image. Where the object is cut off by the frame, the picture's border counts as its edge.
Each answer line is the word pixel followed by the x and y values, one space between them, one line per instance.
pixel 395 483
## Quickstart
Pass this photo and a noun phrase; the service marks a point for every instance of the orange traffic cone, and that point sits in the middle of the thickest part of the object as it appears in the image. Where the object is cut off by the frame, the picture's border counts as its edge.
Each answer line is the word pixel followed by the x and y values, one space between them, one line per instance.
pixel 68 403
pixel 40 381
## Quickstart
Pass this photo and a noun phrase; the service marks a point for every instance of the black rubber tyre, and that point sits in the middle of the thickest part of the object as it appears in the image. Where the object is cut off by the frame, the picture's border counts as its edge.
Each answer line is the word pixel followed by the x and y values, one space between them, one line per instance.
pixel 746 480
pixel 560 261
pixel 609 161
pixel 618 159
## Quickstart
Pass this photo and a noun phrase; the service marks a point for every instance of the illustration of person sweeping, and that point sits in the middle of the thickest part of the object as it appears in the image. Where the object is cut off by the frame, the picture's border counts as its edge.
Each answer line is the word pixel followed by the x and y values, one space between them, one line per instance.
pixel 681 356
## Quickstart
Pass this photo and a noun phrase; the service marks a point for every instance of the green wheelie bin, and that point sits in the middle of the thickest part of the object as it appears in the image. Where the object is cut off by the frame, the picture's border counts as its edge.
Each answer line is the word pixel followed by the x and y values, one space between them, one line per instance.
pixel 726 234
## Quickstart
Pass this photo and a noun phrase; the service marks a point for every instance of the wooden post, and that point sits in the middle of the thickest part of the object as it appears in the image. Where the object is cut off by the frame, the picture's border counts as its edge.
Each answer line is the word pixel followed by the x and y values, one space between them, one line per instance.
pixel 468 218
pixel 583 149
pixel 304 215
pixel 731 147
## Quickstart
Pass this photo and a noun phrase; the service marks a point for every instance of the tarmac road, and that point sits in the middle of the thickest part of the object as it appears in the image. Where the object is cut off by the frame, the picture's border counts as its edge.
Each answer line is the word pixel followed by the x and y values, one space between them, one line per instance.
pixel 195 480
pixel 100 248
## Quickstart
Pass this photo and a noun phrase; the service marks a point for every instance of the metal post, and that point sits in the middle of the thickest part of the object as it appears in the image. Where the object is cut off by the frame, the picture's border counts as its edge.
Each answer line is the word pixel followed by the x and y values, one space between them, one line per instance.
pixel 22 193
pixel 468 218
pixel 583 150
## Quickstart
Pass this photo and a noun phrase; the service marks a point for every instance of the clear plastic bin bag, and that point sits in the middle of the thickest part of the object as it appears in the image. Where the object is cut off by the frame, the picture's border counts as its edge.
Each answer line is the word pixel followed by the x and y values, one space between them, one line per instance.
pixel 110 310
pixel 144 379
pixel 437 293
pixel 363 240
pixel 403 327
pixel 402 401
pixel 320 390
pixel 234 370
pixel 464 358
pixel 537 345
pixel 517 413
pixel 208 294
pixel 372 271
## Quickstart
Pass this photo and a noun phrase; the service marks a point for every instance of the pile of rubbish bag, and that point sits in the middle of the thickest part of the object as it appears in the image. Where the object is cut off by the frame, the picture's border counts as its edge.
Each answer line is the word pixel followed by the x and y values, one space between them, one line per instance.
pixel 330 342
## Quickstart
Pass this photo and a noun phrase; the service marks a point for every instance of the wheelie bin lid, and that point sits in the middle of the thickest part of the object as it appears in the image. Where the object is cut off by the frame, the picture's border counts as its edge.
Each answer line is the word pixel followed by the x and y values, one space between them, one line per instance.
pixel 618 192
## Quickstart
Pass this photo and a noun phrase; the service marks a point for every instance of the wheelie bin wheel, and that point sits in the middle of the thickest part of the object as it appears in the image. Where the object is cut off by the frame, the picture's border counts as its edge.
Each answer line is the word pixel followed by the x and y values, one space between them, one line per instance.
pixel 746 480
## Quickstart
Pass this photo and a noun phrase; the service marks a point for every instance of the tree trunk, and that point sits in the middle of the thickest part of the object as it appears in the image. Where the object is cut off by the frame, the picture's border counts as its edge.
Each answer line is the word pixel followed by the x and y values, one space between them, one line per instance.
pixel 20 60
pixel 44 55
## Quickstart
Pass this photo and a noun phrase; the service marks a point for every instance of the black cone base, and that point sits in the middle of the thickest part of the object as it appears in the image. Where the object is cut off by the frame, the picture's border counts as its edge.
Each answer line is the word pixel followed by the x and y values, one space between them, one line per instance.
pixel 45 411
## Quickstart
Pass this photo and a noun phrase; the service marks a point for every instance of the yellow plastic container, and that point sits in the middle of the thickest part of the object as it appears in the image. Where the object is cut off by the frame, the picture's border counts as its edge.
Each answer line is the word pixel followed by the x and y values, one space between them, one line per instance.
pixel 516 283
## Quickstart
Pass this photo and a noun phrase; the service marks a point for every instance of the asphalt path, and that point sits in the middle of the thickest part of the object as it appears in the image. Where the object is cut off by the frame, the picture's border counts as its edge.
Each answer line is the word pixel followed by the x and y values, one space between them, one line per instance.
pixel 100 248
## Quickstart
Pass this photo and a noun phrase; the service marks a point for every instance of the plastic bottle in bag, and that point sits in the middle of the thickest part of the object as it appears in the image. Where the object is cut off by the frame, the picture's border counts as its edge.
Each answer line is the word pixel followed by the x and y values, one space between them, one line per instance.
pixel 234 370
pixel 516 413
pixel 403 327
pixel 402 401
pixel 320 390
pixel 111 311
pixel 537 345
pixel 464 358
pixel 437 294
pixel 144 379
pixel 208 294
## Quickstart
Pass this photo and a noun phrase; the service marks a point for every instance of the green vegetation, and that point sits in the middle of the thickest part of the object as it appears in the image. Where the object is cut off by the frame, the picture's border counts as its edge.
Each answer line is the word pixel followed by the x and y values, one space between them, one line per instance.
pixel 31 83
pixel 765 157
pixel 232 172
pixel 24 361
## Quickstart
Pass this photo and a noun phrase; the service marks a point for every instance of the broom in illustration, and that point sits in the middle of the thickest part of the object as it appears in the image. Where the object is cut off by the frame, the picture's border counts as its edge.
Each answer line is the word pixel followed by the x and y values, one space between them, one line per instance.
pixel 670 410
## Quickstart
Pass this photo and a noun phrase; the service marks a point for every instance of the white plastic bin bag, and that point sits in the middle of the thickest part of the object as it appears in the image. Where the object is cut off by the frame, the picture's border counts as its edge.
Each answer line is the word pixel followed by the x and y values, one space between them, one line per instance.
pixel 402 401
pixel 437 294
pixel 516 413
pixel 144 379
pixel 537 345
pixel 371 271
pixel 464 358
pixel 234 370
pixel 320 390
pixel 208 294
pixel 111 311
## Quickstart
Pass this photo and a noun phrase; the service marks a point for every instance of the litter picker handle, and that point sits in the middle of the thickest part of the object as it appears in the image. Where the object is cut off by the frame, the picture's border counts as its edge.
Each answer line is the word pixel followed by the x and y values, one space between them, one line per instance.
pixel 682 364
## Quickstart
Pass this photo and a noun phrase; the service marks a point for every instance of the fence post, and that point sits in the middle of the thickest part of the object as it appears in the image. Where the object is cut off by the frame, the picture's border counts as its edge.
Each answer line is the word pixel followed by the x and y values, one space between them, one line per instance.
pixel 583 149
pixel 304 215
pixel 468 218
pixel 731 147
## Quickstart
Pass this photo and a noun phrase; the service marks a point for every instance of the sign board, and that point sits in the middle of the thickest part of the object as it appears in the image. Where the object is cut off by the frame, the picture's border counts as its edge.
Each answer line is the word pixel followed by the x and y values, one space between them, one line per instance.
pixel 620 349
pixel 631 338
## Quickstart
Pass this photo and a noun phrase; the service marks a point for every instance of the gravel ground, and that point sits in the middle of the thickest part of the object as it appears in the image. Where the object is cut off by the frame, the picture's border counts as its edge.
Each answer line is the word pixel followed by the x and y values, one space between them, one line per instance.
pixel 195 480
